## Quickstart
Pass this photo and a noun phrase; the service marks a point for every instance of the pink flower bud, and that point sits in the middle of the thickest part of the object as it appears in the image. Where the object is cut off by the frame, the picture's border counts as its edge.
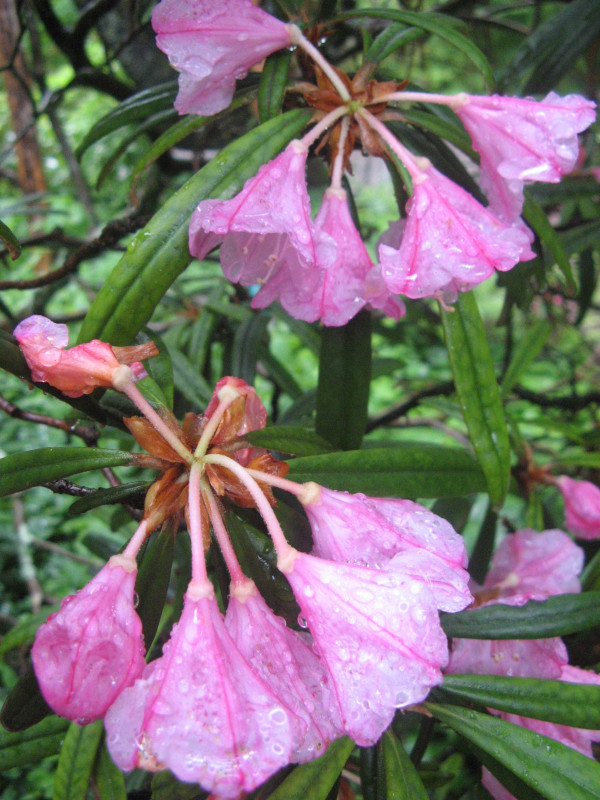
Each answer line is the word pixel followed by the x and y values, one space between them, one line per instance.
pixel 201 710
pixel 451 242
pixel 398 534
pixel 286 662
pixel 75 372
pixel 92 648
pixel 522 140
pixel 582 507
pixel 255 414
pixel 378 635
pixel 212 44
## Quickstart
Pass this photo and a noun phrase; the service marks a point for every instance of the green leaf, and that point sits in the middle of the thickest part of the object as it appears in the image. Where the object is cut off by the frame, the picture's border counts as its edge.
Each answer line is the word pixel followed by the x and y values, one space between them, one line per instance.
pixel 189 381
pixel 590 577
pixel 574 704
pixel 33 467
pixel 526 351
pixel 392 38
pixel 10 240
pixel 152 582
pixel 408 471
pixel 555 771
pixel 437 24
pixel 556 616
pixel 108 778
pixel 478 394
pixel 159 367
pixel 159 253
pixel 165 786
pixel 401 778
pixel 139 106
pixel 535 217
pixel 76 760
pixel 451 131
pixel 552 49
pixel 315 779
pixel 344 380
pixel 27 747
pixel 248 338
pixel 24 705
pixel 273 82
pixel 581 236
pixel 107 497
pixel 289 439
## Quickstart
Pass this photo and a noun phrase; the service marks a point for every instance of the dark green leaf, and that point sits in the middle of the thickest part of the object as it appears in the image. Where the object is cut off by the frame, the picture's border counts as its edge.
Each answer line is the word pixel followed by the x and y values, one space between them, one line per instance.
pixel 246 343
pixel 437 24
pixel 273 82
pixel 392 38
pixel 189 381
pixel 534 215
pixel 108 778
pixel 477 389
pixel 556 616
pixel 401 778
pixel 76 760
pixel 159 253
pixel 526 351
pixel 554 770
pixel 573 704
pixel 27 747
pixel 107 497
pixel 159 368
pixel 590 577
pixel 33 467
pixel 344 380
pixel 165 786
pixel 315 779
pixel 484 546
pixel 139 106
pixel 289 439
pixel 581 236
pixel 153 581
pixel 24 705
pixel 408 471
pixel 10 240
pixel 23 632
pixel 279 374
pixel 451 131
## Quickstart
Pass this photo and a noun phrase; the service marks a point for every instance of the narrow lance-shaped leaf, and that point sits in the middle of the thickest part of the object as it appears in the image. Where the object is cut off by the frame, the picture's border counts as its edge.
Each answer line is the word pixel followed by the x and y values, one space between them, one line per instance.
pixel 409 471
pixel 344 380
pixel 27 747
pixel 159 253
pixel 537 219
pixel 562 702
pixel 556 616
pixel 555 771
pixel 273 81
pixel 315 779
pixel 33 467
pixel 401 778
pixel 10 240
pixel 76 760
pixel 525 352
pixel 108 779
pixel 477 389
pixel 289 439
pixel 24 705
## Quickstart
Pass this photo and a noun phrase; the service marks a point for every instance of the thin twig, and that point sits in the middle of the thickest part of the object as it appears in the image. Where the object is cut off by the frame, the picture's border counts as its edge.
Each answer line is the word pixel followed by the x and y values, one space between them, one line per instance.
pixel 401 410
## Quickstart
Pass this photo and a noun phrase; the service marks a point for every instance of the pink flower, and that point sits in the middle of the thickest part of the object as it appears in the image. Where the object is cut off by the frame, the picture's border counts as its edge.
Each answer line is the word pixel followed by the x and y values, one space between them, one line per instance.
pixel 451 242
pixel 582 507
pixel 79 370
pixel 201 710
pixel 213 44
pixel 526 566
pixel 523 140
pixel 286 662
pixel 378 635
pixel 87 653
pixel 579 739
pixel 268 236
pixel 398 534
pixel 352 280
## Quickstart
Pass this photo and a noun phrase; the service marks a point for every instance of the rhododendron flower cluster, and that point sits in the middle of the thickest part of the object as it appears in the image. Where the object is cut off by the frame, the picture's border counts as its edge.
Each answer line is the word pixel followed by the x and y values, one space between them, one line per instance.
pixel 528 566
pixel 236 696
pixel 319 270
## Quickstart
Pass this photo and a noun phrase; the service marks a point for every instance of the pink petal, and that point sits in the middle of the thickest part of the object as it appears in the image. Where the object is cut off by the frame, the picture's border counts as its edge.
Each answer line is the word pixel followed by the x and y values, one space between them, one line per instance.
pixel 582 507
pixel 534 565
pixel 92 648
pixel 378 635
pixel 451 242
pixel 285 660
pixel 523 658
pixel 268 236
pixel 213 45
pixel 524 140
pixel 75 372
pixel 201 711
